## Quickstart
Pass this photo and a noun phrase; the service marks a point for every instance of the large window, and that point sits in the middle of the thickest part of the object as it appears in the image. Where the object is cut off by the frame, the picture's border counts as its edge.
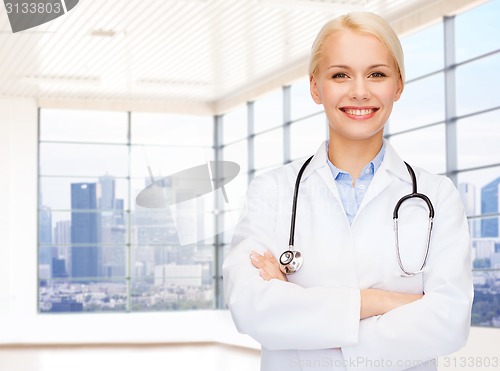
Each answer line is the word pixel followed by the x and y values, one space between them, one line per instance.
pixel 448 121
pixel 99 250
pixel 478 156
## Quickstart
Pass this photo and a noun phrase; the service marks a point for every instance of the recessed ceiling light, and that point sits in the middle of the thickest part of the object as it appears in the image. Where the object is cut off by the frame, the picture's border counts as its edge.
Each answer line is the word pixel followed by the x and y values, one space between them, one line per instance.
pixel 167 82
pixel 103 33
pixel 63 79
pixel 333 5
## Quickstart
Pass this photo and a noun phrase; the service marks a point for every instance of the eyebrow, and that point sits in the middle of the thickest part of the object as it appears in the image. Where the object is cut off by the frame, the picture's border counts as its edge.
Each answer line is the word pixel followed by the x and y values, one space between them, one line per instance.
pixel 347 67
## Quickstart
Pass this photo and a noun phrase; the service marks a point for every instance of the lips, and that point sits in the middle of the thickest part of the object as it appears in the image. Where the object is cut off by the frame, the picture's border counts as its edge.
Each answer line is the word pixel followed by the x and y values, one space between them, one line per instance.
pixel 359 113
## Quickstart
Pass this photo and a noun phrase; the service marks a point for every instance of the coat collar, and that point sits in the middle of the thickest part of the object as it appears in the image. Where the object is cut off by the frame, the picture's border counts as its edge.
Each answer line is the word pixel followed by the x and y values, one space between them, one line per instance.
pixel 392 168
pixel 317 162
pixel 392 163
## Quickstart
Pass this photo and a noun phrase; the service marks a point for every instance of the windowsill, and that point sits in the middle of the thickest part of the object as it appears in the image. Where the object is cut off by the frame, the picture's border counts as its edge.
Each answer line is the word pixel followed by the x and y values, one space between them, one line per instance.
pixel 123 328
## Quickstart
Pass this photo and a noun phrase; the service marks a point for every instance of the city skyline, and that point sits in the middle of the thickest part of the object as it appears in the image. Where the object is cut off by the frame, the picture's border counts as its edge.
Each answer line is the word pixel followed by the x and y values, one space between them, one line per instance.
pixel 89 250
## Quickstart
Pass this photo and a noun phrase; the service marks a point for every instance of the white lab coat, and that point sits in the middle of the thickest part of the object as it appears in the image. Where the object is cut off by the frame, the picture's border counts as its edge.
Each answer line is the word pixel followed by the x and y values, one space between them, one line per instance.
pixel 313 321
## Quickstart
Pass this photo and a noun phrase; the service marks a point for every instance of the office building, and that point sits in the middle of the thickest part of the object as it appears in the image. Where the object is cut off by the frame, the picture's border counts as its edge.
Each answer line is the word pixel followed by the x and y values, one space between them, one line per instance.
pixel 490 205
pixel 85 232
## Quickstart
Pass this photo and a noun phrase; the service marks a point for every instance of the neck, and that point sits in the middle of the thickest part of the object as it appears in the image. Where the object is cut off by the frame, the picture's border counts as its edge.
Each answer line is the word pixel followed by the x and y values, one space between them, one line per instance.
pixel 353 155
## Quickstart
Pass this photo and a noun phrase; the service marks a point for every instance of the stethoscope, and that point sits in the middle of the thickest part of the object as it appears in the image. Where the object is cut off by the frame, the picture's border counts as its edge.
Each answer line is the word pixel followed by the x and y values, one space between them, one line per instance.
pixel 291 260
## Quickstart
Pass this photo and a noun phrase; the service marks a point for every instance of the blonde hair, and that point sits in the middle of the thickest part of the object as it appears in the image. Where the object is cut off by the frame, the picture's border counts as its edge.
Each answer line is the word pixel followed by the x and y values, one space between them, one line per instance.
pixel 364 23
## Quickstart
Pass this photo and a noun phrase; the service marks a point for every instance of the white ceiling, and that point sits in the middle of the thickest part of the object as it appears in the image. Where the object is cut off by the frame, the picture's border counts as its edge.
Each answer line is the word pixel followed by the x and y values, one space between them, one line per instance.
pixel 201 56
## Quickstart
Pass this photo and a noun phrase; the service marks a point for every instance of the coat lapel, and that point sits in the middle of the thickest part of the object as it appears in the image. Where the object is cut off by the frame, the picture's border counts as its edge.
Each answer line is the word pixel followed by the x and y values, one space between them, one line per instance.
pixel 318 164
pixel 390 170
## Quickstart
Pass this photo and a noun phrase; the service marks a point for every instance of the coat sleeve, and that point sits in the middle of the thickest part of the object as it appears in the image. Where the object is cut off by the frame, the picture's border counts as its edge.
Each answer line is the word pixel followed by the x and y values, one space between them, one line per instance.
pixel 281 315
pixel 439 323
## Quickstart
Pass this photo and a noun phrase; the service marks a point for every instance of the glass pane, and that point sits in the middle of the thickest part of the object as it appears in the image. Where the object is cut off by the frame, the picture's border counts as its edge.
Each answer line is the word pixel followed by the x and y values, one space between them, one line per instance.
pixel 421 103
pixel 302 103
pixel 86 263
pixel 485 309
pixel 172 277
pixel 187 223
pixel 231 218
pixel 237 152
pixel 424 148
pixel 236 191
pixel 268 111
pixel 111 193
pixel 481 187
pixel 82 227
pixel 83 159
pixel 82 244
pixel 58 296
pixel 477 31
pixel 477 85
pixel 268 148
pixel 172 293
pixel 165 161
pixel 485 243
pixel 307 135
pixel 153 227
pixel 169 129
pixel 191 216
pixel 235 125
pixel 83 126
pixel 478 140
pixel 146 257
pixel 424 51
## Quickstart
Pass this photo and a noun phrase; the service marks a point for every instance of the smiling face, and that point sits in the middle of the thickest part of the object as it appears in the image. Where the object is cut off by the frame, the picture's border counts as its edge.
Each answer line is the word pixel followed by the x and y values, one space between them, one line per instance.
pixel 357 83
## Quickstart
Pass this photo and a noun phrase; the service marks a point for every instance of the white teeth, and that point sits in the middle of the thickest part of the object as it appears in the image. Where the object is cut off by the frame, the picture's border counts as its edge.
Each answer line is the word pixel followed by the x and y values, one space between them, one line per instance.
pixel 358 112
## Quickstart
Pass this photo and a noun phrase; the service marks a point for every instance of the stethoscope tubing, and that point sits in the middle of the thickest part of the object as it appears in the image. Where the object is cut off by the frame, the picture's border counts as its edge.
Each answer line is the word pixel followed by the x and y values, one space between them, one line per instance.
pixel 294 266
pixel 294 204
pixel 414 194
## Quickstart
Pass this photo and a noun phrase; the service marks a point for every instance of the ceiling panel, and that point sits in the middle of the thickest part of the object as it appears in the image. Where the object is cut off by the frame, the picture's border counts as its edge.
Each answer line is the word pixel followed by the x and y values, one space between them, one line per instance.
pixel 174 53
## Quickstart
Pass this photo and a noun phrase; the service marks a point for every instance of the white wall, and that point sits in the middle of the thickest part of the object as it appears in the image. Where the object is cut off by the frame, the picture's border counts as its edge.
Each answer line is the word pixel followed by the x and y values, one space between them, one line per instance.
pixel 18 197
pixel 482 349
pixel 19 321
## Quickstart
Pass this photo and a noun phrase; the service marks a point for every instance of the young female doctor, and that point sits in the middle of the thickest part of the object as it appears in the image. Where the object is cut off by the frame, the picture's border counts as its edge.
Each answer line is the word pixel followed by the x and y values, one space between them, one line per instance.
pixel 367 287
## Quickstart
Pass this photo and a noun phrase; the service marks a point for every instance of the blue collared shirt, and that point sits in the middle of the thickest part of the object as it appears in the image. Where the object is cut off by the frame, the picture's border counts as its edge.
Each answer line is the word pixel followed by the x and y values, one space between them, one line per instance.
pixel 350 195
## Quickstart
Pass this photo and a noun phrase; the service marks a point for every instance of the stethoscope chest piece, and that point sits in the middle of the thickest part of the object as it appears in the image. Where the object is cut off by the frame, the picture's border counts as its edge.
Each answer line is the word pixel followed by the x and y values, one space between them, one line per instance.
pixel 290 261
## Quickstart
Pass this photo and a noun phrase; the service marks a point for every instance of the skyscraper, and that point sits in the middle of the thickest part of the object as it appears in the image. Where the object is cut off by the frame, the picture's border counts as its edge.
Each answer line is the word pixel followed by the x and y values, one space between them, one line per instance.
pixel 85 232
pixel 489 204
pixel 45 235
pixel 62 238
pixel 468 195
pixel 106 198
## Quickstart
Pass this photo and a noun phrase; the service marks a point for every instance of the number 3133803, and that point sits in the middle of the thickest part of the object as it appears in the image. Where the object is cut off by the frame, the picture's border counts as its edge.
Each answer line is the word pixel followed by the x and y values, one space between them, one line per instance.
pixel 471 362
pixel 33 8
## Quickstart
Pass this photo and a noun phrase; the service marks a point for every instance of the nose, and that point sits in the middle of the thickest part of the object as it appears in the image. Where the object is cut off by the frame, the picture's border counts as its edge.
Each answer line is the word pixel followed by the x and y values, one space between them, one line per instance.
pixel 359 89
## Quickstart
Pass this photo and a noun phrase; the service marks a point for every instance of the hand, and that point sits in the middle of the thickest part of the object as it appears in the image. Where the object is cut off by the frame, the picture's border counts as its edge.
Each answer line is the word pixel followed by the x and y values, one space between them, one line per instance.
pixel 268 266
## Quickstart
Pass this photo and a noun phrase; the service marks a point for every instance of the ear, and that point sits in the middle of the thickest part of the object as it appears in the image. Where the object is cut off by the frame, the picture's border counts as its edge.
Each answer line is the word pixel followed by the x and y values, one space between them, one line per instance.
pixel 313 87
pixel 399 90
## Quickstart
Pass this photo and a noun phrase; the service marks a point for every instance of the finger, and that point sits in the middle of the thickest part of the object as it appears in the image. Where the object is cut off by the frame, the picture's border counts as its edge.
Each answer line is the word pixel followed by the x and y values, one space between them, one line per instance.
pixel 270 266
pixel 267 275
pixel 274 272
pixel 271 257
pixel 256 259
pixel 264 274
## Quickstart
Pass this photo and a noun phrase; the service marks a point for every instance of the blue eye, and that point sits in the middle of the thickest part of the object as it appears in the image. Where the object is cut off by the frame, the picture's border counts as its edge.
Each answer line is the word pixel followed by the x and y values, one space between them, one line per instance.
pixel 378 74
